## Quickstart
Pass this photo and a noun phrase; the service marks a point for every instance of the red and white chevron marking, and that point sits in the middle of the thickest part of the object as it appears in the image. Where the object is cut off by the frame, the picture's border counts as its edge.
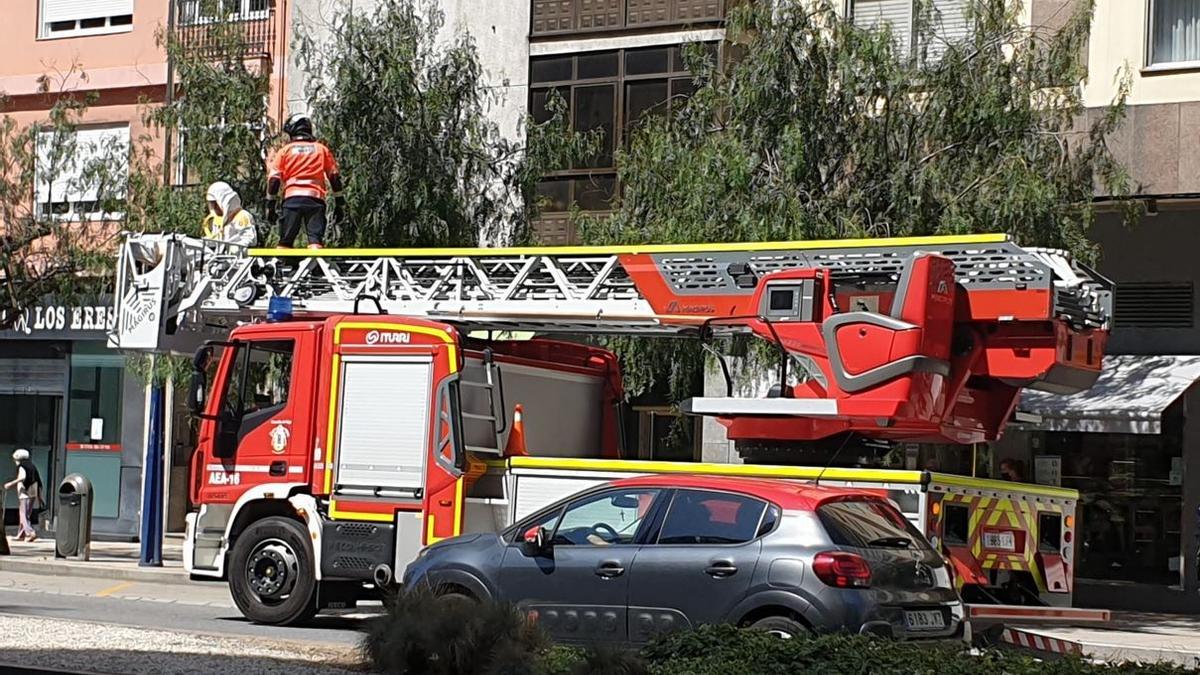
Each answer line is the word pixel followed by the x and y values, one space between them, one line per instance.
pixel 1041 643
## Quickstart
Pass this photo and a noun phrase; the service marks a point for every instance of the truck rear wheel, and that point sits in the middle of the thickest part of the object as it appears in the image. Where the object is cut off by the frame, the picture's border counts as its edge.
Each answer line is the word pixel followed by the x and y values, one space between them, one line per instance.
pixel 271 575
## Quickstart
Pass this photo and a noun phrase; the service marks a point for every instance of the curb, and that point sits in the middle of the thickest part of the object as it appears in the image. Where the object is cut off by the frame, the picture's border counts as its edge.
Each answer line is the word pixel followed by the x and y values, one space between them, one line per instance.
pixel 94 571
pixel 1103 651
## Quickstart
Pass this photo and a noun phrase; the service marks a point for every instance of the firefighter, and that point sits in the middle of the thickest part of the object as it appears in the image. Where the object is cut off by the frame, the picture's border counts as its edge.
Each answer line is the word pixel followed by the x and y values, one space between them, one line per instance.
pixel 305 171
pixel 227 221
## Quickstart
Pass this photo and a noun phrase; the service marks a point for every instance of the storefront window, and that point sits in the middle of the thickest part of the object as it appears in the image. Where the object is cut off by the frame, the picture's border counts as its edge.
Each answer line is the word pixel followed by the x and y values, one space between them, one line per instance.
pixel 94 411
pixel 1130 505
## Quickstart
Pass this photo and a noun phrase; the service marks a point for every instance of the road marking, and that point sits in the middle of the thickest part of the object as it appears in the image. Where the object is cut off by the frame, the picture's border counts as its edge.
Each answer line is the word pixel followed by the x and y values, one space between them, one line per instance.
pixel 114 589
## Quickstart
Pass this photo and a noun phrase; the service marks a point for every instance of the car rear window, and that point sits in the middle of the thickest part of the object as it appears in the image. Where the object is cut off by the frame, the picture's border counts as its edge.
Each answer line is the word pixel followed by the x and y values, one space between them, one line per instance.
pixel 700 517
pixel 868 523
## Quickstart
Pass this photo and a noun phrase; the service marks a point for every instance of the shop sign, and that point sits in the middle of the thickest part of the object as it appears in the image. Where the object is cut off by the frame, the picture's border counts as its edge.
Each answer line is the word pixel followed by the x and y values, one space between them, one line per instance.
pixel 59 319
pixel 1047 470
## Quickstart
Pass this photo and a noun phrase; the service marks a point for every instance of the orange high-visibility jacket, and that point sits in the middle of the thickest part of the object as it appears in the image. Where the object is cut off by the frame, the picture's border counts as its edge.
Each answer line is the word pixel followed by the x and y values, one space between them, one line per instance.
pixel 304 168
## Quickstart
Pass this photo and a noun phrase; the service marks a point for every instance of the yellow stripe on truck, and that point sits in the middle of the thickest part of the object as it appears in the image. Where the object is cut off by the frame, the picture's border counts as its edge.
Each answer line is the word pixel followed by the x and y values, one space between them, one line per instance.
pixel 943 240
pixel 788 472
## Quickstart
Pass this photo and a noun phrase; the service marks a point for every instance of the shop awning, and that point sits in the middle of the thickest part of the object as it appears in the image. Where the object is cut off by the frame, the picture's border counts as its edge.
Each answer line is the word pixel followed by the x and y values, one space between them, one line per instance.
pixel 1128 398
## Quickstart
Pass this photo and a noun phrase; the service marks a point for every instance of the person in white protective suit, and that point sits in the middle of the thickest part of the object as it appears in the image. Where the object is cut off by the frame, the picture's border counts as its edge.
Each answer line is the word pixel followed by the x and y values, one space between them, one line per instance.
pixel 227 221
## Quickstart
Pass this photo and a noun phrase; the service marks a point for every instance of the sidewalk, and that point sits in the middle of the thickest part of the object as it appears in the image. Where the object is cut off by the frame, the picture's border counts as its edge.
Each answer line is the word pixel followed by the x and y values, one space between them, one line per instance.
pixel 1135 636
pixel 109 560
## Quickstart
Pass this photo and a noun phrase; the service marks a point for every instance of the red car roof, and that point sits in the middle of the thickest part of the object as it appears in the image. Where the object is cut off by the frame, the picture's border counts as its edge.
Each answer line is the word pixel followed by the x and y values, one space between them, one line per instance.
pixel 787 494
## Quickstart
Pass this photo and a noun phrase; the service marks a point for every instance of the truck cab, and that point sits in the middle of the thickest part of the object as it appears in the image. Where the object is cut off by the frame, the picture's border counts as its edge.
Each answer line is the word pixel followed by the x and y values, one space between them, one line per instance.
pixel 331 450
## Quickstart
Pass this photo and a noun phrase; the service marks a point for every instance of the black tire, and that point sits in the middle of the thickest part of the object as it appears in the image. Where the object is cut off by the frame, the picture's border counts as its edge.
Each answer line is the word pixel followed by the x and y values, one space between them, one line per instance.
pixel 783 626
pixel 271 575
pixel 454 600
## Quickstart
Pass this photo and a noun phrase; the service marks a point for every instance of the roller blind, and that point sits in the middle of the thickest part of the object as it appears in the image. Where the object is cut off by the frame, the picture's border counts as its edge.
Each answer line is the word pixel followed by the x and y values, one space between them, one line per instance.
pixel 62 178
pixel 72 10
pixel 874 14
pixel 383 436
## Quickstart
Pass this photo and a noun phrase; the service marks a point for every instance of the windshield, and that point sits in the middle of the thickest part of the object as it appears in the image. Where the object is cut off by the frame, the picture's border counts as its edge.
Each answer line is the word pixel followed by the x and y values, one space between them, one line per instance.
pixel 869 523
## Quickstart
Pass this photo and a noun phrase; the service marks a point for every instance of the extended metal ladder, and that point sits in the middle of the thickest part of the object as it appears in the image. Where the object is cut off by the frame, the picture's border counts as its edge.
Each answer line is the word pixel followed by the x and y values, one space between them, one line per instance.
pixel 173 292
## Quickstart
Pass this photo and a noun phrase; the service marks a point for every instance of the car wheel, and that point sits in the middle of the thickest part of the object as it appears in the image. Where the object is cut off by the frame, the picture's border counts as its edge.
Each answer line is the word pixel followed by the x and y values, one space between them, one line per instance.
pixel 454 600
pixel 781 626
pixel 271 576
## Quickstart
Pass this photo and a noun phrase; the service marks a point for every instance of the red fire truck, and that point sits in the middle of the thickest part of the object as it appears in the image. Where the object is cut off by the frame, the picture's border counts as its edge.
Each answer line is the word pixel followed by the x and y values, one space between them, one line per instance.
pixel 336 442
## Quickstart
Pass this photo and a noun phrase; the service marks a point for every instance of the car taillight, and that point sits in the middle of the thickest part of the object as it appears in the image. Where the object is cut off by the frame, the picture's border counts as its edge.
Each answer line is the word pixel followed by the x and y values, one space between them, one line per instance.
pixel 842 570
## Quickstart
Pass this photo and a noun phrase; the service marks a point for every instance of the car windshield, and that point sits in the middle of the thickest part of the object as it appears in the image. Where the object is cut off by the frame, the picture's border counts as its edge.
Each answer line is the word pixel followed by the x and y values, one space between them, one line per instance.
pixel 869 523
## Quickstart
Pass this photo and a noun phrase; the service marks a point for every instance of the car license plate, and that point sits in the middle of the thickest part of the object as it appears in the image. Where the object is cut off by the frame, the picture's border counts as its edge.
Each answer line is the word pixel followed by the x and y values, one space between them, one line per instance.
pixel 1004 541
pixel 927 619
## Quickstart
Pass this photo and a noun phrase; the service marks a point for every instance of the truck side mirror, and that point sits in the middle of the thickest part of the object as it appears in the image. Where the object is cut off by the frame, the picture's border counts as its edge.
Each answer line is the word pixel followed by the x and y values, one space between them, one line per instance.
pixel 536 540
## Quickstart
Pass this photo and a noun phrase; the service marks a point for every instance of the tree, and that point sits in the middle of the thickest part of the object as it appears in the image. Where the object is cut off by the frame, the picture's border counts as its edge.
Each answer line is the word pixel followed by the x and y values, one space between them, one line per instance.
pixel 218 117
pixel 824 130
pixel 409 117
pixel 59 195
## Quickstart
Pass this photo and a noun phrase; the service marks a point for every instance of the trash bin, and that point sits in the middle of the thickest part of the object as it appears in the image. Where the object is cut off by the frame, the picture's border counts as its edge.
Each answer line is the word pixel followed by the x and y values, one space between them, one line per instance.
pixel 73 536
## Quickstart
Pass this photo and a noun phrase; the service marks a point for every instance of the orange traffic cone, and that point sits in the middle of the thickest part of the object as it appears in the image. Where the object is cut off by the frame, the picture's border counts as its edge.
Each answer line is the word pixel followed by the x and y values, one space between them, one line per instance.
pixel 516 438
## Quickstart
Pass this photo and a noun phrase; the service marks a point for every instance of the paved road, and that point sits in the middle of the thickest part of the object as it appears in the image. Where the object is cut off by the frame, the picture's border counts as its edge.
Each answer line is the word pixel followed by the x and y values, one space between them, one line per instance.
pixel 108 626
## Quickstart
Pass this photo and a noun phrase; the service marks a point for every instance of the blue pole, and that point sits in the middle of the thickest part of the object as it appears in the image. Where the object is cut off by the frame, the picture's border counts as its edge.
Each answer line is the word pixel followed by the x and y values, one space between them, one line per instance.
pixel 152 485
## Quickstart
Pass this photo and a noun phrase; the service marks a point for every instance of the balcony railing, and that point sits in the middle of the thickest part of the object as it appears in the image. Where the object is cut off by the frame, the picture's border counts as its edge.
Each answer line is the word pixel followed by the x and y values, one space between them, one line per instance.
pixel 211 38
pixel 557 17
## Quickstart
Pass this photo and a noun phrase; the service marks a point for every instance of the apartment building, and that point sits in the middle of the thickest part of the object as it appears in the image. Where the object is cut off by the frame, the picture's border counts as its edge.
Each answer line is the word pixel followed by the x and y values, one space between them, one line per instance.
pixel 63 394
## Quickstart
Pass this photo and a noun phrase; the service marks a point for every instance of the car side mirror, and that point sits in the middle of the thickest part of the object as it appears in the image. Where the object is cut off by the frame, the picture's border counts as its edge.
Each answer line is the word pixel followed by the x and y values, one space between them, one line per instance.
pixel 199 384
pixel 536 539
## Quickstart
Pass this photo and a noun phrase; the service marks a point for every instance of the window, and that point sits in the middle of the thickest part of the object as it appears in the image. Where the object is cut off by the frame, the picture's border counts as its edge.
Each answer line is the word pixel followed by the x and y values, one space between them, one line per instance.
pixel 1154 304
pixel 94 410
pixel 210 11
pixel 262 377
pixel 956 522
pixel 67 18
pixel 1174 31
pixel 948 21
pixel 698 517
pixel 610 92
pixel 82 174
pixel 1049 532
pixel 604 519
pixel 556 17
pixel 869 524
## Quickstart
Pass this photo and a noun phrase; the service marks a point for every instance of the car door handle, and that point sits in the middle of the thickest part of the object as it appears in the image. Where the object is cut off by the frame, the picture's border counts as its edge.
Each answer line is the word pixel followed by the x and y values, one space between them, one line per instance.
pixel 610 569
pixel 721 569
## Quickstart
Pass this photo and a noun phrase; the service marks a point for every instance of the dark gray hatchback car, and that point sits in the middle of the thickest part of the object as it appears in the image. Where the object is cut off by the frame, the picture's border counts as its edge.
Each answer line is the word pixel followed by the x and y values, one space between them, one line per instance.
pixel 640 556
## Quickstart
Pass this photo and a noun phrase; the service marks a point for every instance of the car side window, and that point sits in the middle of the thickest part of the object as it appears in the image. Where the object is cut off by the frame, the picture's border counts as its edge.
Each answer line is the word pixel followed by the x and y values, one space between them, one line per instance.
pixel 605 519
pixel 547 520
pixel 701 517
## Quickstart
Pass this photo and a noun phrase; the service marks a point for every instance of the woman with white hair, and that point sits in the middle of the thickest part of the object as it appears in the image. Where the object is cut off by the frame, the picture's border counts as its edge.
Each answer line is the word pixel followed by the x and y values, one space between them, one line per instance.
pixel 29 489
pixel 226 220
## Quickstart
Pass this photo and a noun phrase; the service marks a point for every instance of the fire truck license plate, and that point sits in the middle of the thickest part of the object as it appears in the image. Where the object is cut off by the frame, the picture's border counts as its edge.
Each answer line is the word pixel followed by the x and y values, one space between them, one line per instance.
pixel 929 619
pixel 1004 541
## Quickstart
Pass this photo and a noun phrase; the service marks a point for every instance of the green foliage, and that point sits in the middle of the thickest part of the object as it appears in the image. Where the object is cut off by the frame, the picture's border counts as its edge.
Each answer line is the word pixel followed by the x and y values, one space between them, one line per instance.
pixel 50 248
pixel 219 125
pixel 420 635
pixel 423 634
pixel 820 129
pixel 412 121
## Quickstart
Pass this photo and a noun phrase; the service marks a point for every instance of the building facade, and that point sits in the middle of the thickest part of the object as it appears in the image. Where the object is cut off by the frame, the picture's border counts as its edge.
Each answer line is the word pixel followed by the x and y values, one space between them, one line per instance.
pixel 1131 445
pixel 64 395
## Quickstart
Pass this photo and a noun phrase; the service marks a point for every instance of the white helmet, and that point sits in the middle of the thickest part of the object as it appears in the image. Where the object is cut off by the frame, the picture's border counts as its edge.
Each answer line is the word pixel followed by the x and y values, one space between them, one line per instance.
pixel 20 455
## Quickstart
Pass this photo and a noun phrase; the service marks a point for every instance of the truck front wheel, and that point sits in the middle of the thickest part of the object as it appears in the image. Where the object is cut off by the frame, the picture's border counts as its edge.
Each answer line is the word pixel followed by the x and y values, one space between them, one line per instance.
pixel 271 576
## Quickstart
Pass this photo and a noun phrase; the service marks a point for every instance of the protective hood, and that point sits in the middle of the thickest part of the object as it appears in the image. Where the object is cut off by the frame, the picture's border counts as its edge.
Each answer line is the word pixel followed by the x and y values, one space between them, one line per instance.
pixel 225 197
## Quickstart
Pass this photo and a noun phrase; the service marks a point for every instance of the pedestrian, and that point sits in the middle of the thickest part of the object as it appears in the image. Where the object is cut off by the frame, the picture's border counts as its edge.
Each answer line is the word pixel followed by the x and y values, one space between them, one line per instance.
pixel 29 492
pixel 1012 470
pixel 227 221
pixel 305 171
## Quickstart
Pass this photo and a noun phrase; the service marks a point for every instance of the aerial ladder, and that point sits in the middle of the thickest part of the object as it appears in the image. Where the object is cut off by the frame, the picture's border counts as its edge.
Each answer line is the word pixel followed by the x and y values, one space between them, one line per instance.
pixel 919 339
